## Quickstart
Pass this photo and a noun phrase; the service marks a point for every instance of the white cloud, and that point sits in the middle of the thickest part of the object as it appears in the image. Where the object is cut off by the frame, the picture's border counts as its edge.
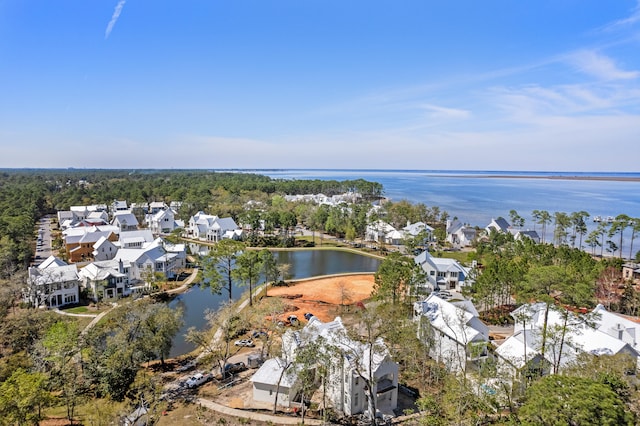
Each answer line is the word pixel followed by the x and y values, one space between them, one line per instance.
pixel 439 112
pixel 599 66
pixel 114 18
pixel 630 20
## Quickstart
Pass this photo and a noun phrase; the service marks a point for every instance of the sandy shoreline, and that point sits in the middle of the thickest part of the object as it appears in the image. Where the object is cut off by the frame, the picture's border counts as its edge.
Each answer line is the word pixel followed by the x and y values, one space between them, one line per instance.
pixel 552 177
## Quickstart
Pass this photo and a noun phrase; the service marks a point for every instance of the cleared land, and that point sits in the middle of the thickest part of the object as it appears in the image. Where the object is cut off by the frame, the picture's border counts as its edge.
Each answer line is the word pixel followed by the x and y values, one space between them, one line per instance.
pixel 324 297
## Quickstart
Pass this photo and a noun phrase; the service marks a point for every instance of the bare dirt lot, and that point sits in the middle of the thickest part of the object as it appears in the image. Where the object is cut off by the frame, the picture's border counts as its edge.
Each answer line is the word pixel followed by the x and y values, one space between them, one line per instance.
pixel 325 297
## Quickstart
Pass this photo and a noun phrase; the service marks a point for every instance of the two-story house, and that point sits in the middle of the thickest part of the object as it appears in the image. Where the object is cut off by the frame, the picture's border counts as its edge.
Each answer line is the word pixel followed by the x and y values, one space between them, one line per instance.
pixel 443 273
pixel 53 284
pixel 125 220
pixel 350 376
pixel 212 228
pixel 453 331
pixel 105 280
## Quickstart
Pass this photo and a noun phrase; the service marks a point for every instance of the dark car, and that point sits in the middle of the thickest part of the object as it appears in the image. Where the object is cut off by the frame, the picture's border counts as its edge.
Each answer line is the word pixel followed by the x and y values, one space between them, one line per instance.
pixel 235 367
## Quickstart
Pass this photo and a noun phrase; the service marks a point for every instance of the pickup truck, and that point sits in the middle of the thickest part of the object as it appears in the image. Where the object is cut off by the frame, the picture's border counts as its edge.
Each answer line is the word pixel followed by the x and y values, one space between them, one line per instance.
pixel 198 379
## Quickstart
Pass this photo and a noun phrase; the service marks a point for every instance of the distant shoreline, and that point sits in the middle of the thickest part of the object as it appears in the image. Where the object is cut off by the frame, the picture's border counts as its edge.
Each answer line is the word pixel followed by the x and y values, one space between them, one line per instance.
pixel 556 177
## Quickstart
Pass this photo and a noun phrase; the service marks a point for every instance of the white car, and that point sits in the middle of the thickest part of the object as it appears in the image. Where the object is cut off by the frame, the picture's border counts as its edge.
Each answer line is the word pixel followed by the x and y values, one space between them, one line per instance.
pixel 198 379
pixel 244 342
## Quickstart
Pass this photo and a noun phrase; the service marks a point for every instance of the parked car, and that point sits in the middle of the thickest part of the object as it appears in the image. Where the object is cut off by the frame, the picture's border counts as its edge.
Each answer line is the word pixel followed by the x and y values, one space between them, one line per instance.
pixel 293 320
pixel 244 342
pixel 443 294
pixel 308 316
pixel 235 367
pixel 198 379
pixel 258 334
pixel 186 367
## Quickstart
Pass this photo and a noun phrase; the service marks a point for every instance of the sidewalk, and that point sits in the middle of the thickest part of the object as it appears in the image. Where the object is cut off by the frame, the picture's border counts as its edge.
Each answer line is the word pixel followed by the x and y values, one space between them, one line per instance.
pixel 277 420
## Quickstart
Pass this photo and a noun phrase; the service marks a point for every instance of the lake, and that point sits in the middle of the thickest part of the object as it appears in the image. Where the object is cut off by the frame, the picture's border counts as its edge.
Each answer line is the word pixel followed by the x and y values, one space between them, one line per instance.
pixel 304 264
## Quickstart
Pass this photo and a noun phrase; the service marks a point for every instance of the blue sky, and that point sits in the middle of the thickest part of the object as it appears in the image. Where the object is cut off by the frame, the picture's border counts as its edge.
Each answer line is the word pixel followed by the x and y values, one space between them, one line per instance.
pixel 500 85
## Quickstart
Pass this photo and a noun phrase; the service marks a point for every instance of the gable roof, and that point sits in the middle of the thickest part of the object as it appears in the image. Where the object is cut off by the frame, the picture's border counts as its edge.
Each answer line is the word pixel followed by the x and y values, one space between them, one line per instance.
pixel 452 320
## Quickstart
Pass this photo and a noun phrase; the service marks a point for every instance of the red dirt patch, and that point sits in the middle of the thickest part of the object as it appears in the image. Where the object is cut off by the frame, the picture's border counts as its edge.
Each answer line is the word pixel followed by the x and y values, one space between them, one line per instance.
pixel 322 297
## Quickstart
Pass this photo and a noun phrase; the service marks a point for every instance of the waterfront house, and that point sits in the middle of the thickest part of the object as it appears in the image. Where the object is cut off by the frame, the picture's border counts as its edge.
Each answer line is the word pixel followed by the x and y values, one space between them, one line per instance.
pixel 105 280
pixel 212 228
pixel 460 235
pixel 443 273
pixel 53 284
pixel 452 331
pixel 498 225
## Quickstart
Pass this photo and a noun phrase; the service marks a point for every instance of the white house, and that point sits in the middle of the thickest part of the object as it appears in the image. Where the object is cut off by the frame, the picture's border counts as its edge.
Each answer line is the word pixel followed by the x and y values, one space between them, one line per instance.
pixel 525 346
pixel 459 234
pixel 135 239
pixel 455 334
pixel 53 283
pixel 163 221
pixel 443 273
pixel 157 256
pixel 125 220
pixel 349 369
pixel 377 231
pixel 105 280
pixel 265 383
pixel 212 228
pixel 414 229
pixel 498 225
pixel 104 249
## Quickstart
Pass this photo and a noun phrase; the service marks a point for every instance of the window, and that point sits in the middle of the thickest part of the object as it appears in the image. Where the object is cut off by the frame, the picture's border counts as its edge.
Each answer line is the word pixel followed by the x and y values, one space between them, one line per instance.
pixel 453 274
pixel 432 273
pixel 441 274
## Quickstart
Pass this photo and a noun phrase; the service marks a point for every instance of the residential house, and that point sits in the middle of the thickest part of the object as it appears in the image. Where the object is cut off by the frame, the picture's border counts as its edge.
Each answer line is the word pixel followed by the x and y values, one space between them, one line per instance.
pixel 522 352
pixel 631 271
pixel 125 220
pixel 53 284
pixel 118 206
pixel 271 380
pixel 454 333
pixel 519 235
pixel 377 231
pixel 418 228
pixel 212 228
pixel 459 234
pixel 618 326
pixel 105 280
pixel 156 206
pixel 104 249
pixel 443 273
pixel 163 221
pixel 135 239
pixel 155 257
pixel 80 247
pixel 347 386
pixel 498 225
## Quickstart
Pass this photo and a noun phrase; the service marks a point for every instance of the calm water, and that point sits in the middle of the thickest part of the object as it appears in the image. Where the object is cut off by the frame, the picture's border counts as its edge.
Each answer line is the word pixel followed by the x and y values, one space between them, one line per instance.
pixel 476 197
pixel 304 264
pixel 476 200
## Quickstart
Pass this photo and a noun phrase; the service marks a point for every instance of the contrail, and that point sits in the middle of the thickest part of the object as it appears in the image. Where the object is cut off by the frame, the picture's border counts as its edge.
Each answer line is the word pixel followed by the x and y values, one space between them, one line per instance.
pixel 114 18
